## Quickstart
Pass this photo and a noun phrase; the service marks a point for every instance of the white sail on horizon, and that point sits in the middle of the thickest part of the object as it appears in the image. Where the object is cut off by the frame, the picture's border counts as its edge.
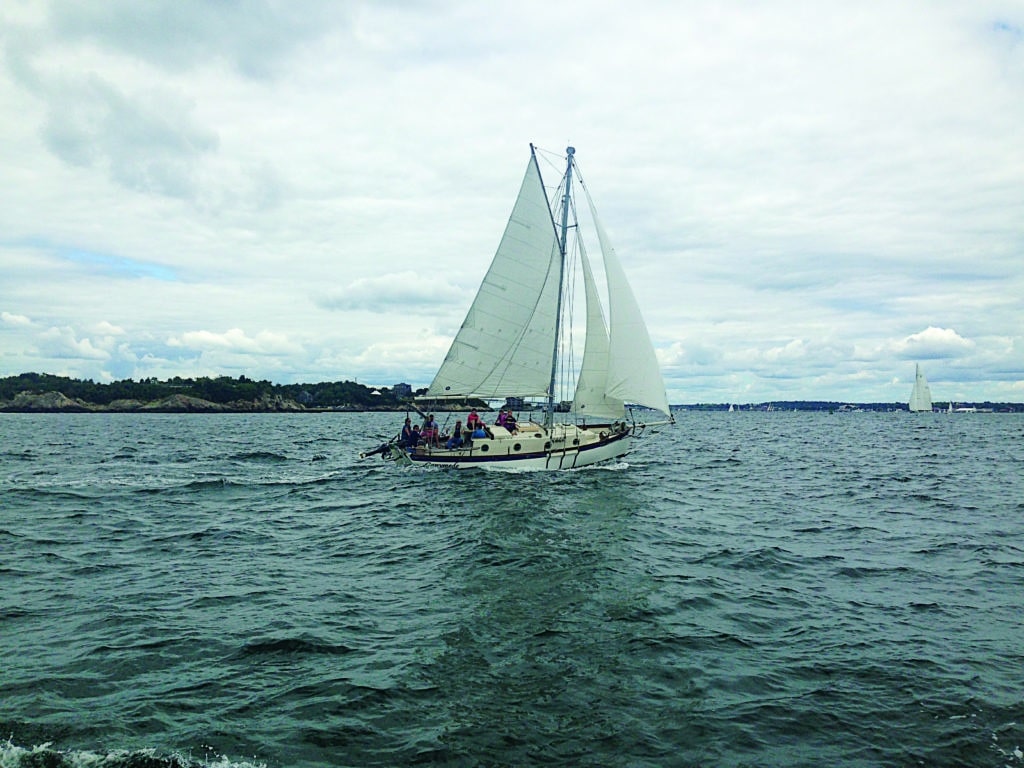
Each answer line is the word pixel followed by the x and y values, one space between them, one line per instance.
pixel 921 396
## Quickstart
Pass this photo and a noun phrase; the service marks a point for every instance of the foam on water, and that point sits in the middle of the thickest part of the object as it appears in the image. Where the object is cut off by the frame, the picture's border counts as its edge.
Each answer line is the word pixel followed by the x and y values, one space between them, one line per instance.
pixel 45 756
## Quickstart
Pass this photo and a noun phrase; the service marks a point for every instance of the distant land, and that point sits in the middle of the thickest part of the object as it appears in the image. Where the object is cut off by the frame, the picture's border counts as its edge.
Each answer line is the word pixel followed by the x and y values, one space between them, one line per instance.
pixel 47 393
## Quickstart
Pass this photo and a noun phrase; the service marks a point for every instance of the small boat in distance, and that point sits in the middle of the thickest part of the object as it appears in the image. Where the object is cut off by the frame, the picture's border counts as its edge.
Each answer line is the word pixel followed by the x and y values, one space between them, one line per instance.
pixel 515 345
pixel 921 396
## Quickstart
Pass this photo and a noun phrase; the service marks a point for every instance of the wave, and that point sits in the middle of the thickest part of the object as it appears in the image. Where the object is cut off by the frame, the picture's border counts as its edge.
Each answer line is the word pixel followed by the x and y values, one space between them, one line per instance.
pixel 293 646
pixel 46 756
pixel 259 456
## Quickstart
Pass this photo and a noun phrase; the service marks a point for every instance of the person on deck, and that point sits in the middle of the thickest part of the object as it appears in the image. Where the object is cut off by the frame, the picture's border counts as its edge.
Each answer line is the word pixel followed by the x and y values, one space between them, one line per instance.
pixel 510 422
pixel 406 436
pixel 480 430
pixel 473 419
pixel 455 441
pixel 430 433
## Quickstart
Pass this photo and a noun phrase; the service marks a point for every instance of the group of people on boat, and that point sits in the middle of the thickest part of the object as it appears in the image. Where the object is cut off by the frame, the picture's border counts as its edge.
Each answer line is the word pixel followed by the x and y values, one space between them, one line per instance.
pixel 429 434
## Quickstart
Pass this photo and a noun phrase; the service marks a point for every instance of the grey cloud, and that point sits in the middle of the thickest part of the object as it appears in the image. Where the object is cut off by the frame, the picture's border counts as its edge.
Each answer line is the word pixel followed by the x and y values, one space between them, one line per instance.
pixel 252 35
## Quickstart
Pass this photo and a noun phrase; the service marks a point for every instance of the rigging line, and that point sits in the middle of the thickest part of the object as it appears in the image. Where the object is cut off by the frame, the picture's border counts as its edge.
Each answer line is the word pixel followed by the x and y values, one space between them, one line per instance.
pixel 555 162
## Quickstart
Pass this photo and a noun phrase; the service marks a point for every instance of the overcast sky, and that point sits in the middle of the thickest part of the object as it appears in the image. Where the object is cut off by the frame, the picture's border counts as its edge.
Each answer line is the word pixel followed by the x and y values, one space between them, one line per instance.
pixel 808 198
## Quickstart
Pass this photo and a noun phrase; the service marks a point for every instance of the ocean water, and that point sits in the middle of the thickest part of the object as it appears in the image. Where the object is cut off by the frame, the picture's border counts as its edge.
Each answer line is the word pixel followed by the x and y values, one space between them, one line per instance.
pixel 746 589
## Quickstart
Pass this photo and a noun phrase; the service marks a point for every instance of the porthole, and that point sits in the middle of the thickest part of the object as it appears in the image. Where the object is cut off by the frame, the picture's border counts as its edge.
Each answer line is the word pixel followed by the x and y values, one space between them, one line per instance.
pixel 576 441
pixel 517 447
pixel 547 446
pixel 484 448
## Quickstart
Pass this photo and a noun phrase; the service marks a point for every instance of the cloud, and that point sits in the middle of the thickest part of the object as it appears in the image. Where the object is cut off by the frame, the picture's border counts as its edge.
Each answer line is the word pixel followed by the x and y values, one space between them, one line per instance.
pixel 403 292
pixel 235 340
pixel 254 37
pixel 932 343
pixel 147 142
pixel 9 318
pixel 64 343
pixel 109 329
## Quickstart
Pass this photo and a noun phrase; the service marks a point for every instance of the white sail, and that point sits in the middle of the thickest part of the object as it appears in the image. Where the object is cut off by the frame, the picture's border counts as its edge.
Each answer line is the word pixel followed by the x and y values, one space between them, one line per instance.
pixel 921 396
pixel 634 375
pixel 592 400
pixel 505 345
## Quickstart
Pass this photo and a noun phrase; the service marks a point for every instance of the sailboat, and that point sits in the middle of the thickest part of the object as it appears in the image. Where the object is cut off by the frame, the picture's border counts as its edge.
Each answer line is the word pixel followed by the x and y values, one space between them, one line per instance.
pixel 516 345
pixel 921 396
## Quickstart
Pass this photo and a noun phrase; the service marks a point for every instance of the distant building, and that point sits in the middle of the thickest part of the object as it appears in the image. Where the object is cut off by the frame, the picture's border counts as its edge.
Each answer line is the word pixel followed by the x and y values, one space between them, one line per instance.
pixel 401 391
pixel 515 403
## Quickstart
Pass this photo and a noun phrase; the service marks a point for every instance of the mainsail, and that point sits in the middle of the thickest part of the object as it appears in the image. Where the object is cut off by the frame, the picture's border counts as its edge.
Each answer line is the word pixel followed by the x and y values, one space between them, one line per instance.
pixel 921 396
pixel 504 347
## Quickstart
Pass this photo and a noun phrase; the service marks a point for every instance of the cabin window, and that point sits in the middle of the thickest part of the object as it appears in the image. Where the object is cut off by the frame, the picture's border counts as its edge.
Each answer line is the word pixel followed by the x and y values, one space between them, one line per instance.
pixel 483 448
pixel 517 447
pixel 576 441
pixel 547 446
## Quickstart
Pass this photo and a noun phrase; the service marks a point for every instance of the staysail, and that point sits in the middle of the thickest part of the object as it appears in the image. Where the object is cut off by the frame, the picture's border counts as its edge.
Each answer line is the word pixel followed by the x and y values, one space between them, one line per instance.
pixel 504 347
pixel 634 375
pixel 592 400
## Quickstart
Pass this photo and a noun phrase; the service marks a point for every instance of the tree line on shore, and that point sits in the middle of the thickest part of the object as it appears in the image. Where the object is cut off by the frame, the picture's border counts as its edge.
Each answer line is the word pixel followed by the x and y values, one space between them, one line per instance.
pixel 221 390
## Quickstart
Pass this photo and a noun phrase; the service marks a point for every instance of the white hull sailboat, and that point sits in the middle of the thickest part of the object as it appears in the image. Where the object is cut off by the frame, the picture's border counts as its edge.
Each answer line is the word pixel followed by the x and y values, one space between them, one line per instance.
pixel 515 345
pixel 921 396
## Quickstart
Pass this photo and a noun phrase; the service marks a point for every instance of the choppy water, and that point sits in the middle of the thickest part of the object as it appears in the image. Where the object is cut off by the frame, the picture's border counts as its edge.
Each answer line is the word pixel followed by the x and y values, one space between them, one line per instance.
pixel 753 589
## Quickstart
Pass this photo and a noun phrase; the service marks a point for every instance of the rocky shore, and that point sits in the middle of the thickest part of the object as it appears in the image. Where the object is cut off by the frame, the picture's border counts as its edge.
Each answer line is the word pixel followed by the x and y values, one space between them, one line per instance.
pixel 57 402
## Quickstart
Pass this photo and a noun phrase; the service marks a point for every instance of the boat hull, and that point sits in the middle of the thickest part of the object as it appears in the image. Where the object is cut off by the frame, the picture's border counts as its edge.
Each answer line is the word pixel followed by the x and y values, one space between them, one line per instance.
pixel 535 450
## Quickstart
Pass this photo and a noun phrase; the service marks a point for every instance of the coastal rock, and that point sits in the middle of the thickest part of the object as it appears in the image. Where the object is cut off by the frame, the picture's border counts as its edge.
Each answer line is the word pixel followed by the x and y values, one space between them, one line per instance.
pixel 265 403
pixel 124 406
pixel 46 402
pixel 183 404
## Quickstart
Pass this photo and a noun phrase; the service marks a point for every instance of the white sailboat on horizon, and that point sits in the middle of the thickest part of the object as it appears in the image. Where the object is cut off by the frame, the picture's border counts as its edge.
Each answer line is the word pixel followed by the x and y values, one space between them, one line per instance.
pixel 515 345
pixel 921 395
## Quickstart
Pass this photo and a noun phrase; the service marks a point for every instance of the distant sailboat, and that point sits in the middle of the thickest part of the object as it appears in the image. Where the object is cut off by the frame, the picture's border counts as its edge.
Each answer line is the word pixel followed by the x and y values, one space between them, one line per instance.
pixel 921 396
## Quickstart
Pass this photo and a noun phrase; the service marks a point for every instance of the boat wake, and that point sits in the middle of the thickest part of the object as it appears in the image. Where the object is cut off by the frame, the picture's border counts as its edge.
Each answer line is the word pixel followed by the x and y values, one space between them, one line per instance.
pixel 14 756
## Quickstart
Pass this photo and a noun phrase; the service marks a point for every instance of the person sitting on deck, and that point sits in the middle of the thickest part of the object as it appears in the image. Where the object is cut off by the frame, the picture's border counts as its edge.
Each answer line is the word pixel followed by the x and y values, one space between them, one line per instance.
pixel 406 435
pixel 473 419
pixel 480 430
pixel 414 437
pixel 455 441
pixel 430 434
pixel 510 422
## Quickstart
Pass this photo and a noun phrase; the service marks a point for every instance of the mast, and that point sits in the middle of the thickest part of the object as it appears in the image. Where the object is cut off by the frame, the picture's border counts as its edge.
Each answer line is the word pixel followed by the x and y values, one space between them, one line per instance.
pixel 549 416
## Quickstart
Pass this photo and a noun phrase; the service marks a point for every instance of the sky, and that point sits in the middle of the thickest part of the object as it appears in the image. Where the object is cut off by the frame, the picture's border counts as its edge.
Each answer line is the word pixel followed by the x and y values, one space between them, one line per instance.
pixel 808 198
